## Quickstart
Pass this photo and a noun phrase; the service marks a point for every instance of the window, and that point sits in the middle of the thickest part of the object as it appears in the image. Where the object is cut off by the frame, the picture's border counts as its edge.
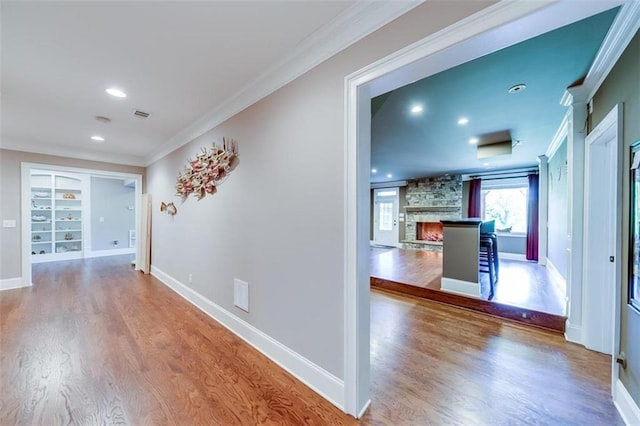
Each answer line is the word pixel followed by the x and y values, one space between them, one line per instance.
pixel 506 202
pixel 386 216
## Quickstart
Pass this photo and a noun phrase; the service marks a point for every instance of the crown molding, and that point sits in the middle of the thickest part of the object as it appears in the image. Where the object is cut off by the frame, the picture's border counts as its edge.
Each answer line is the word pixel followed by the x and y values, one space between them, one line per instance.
pixel 624 27
pixel 560 135
pixel 358 21
pixel 69 152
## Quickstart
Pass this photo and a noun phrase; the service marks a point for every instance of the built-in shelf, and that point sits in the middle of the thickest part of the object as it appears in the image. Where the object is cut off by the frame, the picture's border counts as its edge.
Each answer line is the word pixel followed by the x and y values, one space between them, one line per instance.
pixel 432 208
pixel 54 206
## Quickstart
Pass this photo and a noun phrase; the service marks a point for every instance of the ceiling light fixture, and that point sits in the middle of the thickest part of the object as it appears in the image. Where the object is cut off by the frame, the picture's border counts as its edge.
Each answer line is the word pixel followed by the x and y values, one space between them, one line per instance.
pixel 473 141
pixel 463 121
pixel 485 164
pixel 517 88
pixel 416 109
pixel 389 175
pixel 116 92
pixel 97 138
pixel 374 171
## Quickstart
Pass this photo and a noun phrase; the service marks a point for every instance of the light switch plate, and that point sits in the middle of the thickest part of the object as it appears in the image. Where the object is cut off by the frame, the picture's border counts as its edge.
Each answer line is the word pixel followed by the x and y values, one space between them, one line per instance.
pixel 8 223
pixel 241 294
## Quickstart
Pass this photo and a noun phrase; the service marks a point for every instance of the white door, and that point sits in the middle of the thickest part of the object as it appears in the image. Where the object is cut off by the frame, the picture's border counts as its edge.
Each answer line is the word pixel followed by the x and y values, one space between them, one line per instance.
pixel 385 216
pixel 602 228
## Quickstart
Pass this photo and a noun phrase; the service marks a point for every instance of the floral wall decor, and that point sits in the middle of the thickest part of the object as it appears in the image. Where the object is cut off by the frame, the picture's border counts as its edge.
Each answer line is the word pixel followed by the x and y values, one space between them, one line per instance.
pixel 204 173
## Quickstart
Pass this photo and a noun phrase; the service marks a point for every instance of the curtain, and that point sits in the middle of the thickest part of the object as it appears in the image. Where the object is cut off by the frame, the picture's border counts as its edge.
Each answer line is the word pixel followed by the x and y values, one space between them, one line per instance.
pixel 475 198
pixel 532 218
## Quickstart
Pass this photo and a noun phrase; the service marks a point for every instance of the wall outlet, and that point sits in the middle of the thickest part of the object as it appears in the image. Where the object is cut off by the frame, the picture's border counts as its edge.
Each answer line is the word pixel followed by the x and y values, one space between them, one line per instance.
pixel 241 294
pixel 190 278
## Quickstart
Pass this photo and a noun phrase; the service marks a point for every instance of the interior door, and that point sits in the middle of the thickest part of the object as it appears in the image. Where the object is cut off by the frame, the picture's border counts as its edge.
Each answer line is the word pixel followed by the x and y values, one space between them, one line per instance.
pixel 601 281
pixel 385 216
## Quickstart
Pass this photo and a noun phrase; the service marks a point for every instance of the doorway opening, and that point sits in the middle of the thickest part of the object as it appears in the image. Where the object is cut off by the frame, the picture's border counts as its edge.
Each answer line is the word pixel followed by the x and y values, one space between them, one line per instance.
pixel 73 213
pixel 451 47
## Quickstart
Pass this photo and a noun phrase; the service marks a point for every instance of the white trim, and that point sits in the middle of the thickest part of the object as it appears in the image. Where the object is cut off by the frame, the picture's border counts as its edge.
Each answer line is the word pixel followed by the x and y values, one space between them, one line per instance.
pixel 558 138
pixel 11 283
pixel 555 274
pixel 512 256
pixel 624 27
pixel 364 409
pixel 111 252
pixel 626 406
pixel 573 333
pixel 358 21
pixel 465 288
pixel 321 381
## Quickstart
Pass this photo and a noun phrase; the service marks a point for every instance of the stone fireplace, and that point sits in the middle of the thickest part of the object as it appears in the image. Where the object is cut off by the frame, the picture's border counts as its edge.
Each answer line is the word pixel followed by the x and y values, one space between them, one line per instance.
pixel 431 200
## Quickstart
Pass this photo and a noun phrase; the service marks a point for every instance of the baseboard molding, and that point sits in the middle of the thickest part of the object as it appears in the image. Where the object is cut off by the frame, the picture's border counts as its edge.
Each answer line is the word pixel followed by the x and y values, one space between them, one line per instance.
pixel 11 283
pixel 573 333
pixel 627 407
pixel 364 409
pixel 555 274
pixel 512 256
pixel 464 288
pixel 114 252
pixel 321 381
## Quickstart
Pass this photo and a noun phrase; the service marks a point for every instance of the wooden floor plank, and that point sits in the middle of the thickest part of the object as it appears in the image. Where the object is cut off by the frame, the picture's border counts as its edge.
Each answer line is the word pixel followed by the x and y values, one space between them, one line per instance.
pixel 94 342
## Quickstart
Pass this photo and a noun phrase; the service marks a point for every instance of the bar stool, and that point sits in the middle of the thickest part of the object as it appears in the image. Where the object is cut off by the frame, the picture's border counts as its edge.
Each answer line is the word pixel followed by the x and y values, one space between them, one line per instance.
pixel 487 262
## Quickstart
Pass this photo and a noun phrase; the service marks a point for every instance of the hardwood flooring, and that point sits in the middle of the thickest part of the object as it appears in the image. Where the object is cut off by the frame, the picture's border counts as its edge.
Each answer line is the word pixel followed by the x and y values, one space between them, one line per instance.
pixel 525 291
pixel 523 284
pixel 94 342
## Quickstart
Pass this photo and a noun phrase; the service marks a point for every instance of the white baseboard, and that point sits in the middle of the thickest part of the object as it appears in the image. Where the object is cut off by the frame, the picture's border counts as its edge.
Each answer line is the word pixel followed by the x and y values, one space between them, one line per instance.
pixel 364 409
pixel 465 288
pixel 627 407
pixel 573 333
pixel 555 274
pixel 512 256
pixel 112 252
pixel 321 381
pixel 11 283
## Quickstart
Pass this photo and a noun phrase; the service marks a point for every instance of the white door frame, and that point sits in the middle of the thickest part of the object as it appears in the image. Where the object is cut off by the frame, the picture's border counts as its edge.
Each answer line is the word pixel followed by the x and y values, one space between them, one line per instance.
pixel 603 158
pixel 493 28
pixel 376 216
pixel 25 214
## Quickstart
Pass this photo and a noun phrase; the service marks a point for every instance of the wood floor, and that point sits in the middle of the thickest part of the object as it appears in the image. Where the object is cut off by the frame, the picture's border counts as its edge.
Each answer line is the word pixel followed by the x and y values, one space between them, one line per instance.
pixel 525 292
pixel 93 342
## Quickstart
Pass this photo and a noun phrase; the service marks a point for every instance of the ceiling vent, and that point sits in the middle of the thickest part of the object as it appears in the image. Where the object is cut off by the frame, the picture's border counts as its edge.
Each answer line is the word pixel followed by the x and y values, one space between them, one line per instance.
pixel 140 114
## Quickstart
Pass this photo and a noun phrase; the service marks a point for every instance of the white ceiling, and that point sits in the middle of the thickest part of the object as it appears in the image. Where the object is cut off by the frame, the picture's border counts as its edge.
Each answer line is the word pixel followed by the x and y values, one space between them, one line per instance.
pixel 178 61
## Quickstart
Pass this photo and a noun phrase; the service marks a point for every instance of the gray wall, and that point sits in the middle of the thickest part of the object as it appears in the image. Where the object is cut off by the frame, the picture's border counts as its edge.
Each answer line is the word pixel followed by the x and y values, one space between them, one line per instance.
pixel 10 184
pixel 291 142
pixel 623 86
pixel 514 244
pixel 557 233
pixel 110 200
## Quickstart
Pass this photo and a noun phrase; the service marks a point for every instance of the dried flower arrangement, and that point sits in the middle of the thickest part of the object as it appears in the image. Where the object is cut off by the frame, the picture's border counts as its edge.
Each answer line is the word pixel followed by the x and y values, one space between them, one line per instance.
pixel 204 173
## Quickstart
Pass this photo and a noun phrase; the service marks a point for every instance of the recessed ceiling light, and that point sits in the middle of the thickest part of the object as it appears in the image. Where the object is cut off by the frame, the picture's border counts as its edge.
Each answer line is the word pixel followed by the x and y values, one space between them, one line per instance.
pixel 517 88
pixel 416 109
pixel 485 164
pixel 462 121
pixel 473 141
pixel 374 170
pixel 97 138
pixel 389 175
pixel 116 92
